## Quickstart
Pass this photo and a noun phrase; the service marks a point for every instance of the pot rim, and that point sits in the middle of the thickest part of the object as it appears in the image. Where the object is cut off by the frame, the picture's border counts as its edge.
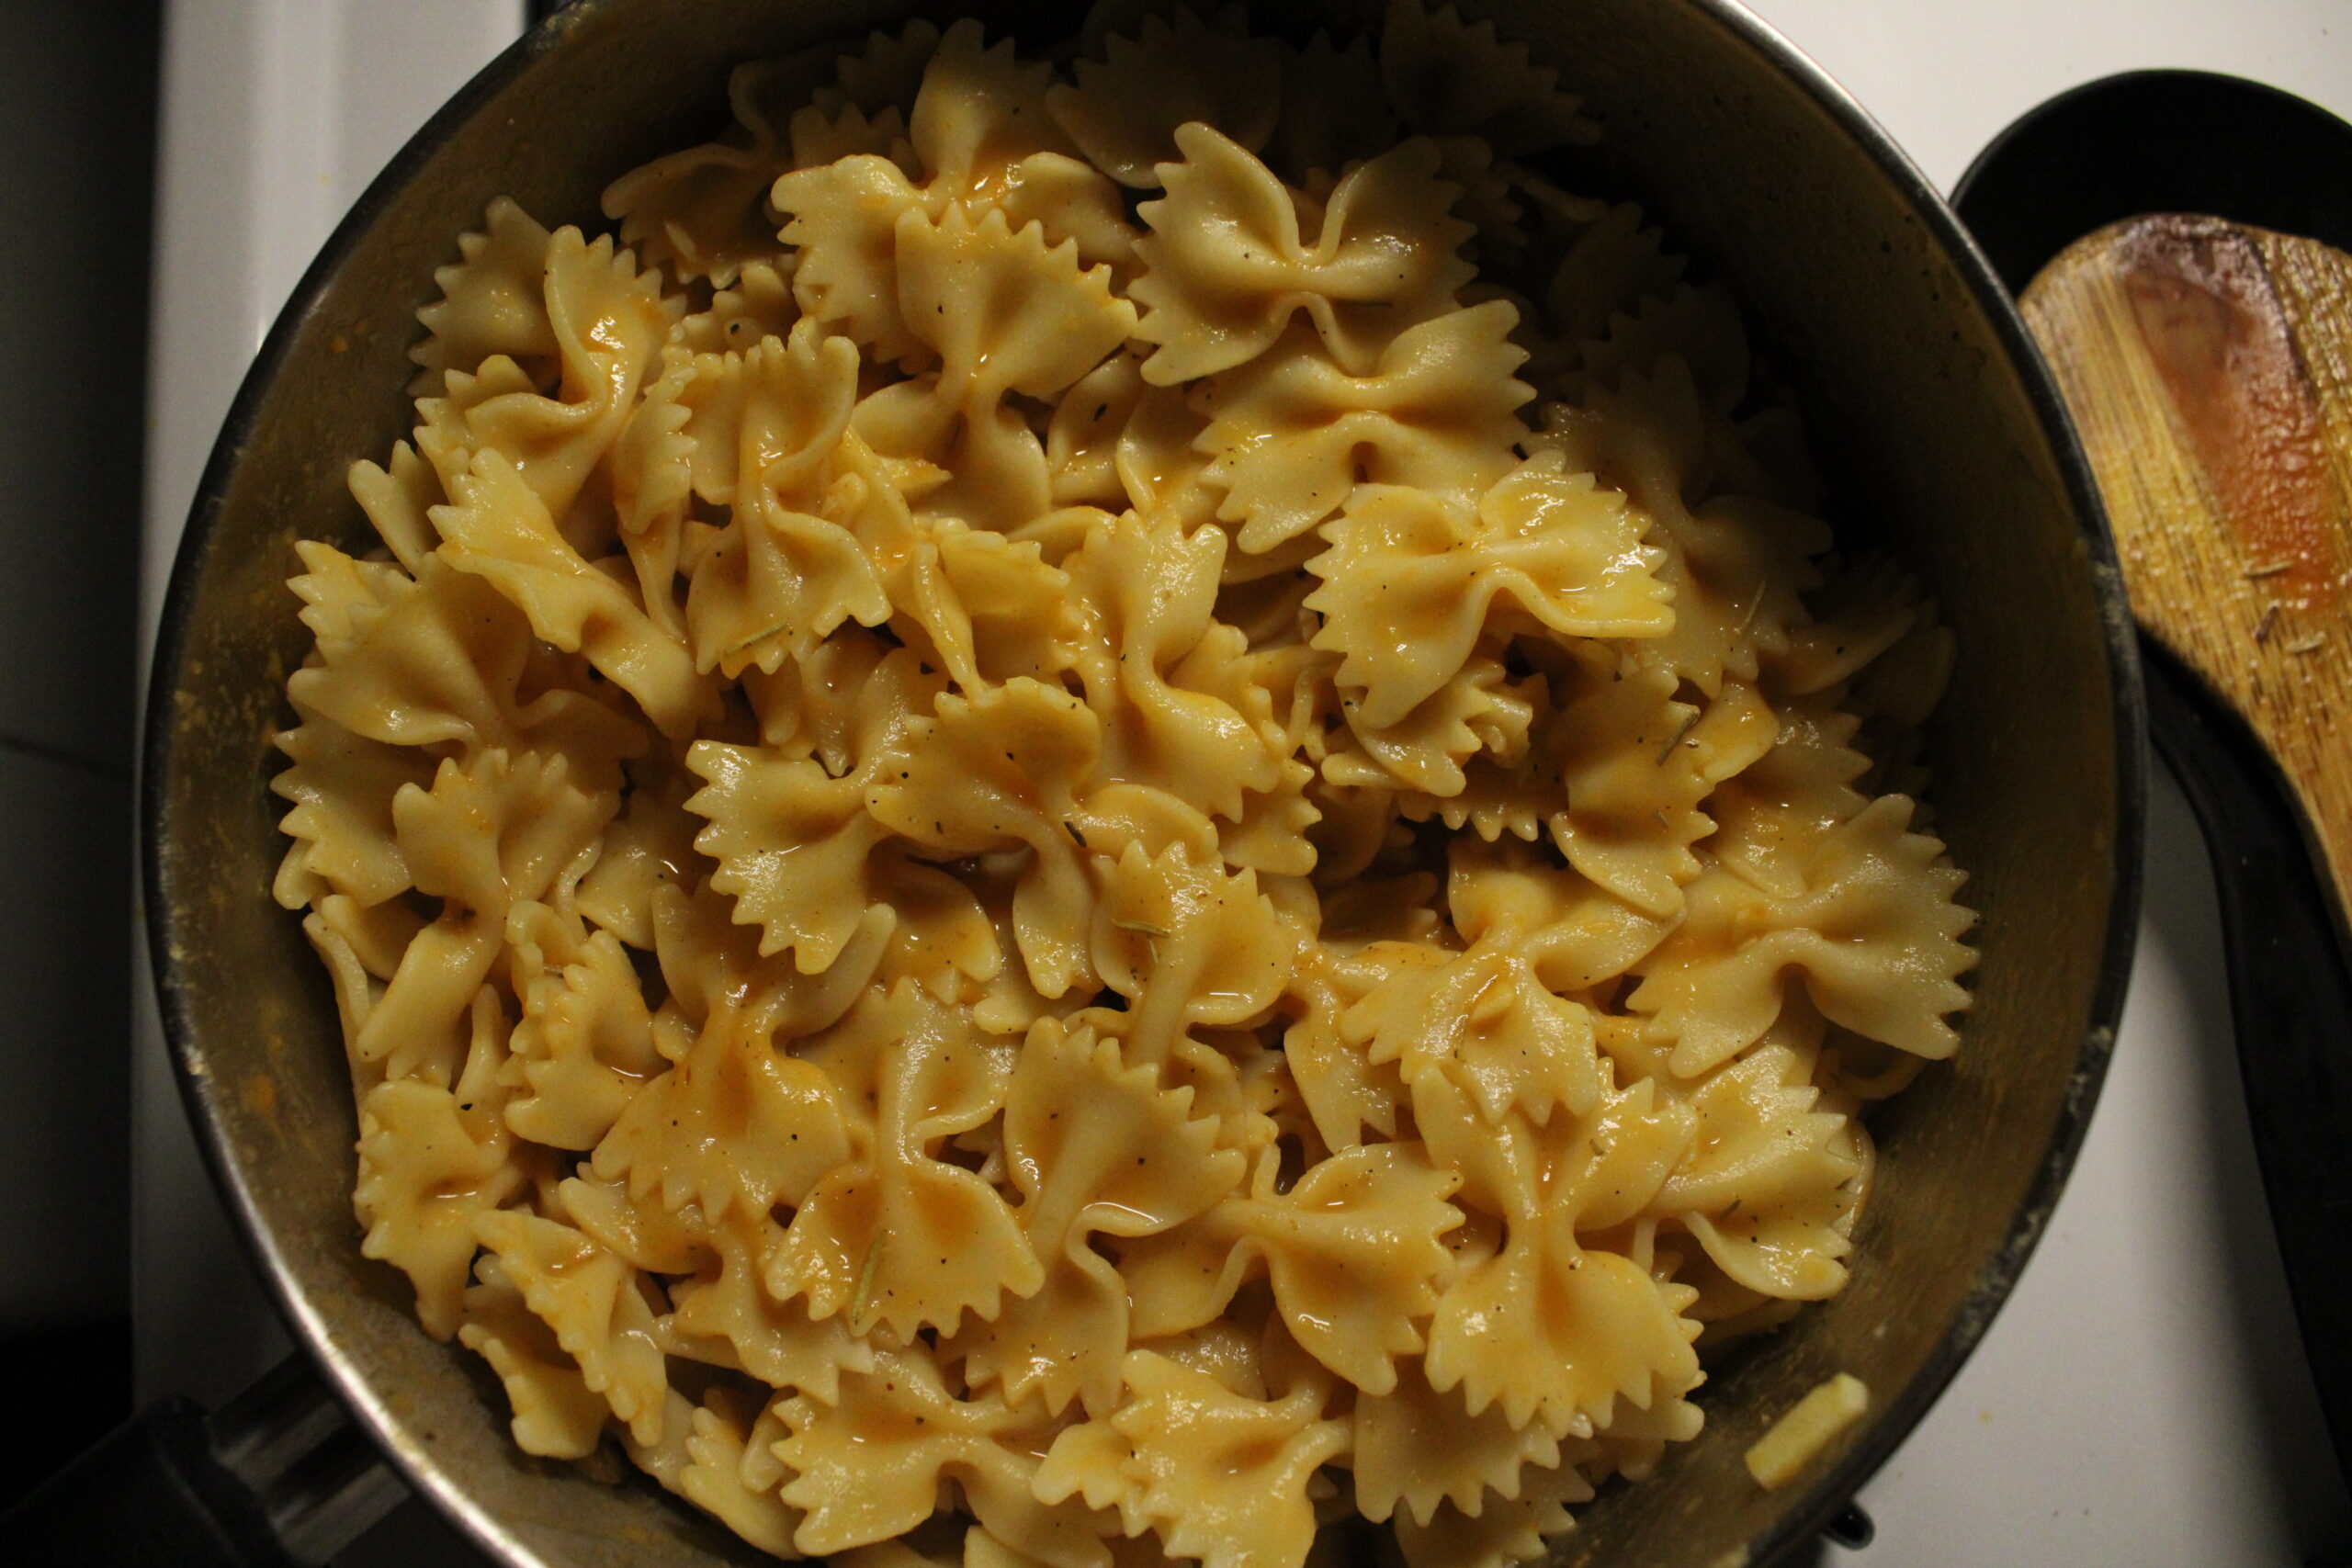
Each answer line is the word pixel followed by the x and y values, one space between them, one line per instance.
pixel 1828 1489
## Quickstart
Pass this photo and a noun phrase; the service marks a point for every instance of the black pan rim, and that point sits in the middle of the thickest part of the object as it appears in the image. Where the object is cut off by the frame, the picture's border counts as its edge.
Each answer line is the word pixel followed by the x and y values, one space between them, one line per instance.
pixel 1833 1486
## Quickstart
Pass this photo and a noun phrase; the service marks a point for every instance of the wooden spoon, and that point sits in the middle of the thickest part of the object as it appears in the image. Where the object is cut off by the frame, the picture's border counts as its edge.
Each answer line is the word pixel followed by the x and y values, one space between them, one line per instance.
pixel 2209 368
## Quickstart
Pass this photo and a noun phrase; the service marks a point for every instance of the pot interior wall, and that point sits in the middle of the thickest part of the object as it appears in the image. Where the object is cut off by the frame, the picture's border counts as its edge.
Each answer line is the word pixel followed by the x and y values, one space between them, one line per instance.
pixel 1933 447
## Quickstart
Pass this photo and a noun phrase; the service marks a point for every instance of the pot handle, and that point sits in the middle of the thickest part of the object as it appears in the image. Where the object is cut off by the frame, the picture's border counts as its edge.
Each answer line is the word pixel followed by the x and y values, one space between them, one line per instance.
pixel 280 1478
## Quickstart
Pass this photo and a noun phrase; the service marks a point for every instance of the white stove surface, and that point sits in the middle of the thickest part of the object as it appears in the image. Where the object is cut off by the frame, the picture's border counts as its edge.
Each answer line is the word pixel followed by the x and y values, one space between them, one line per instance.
pixel 2140 1400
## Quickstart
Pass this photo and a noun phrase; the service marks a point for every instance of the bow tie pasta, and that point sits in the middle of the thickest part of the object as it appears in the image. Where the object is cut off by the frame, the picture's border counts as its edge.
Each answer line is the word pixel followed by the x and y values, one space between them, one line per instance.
pixel 1093 812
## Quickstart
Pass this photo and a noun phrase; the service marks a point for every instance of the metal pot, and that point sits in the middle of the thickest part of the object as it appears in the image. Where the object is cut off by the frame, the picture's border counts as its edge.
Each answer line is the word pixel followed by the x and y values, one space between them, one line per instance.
pixel 1943 442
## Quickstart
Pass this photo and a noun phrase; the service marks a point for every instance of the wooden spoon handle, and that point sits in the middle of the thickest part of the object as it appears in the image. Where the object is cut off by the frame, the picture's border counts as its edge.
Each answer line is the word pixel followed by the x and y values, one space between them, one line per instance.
pixel 2291 998
pixel 2207 367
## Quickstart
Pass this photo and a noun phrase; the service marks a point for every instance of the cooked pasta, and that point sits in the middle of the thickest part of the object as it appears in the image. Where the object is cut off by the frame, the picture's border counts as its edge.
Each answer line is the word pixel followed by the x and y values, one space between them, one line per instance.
pixel 1096 811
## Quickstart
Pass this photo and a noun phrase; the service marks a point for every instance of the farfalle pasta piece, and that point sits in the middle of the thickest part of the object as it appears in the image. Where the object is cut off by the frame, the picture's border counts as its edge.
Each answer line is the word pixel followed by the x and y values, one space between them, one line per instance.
pixel 980 112
pixel 812 707
pixel 644 1236
pixel 1485 1020
pixel 444 435
pixel 1082 437
pixel 1862 612
pixel 1547 1327
pixel 1573 933
pixel 1410 583
pixel 492 302
pixel 651 471
pixel 588 1297
pixel 1505 1532
pixel 711 965
pixel 779 578
pixel 1188 943
pixel 432 1159
pixel 885 74
pixel 1616 264
pixel 728 1303
pixel 1447 75
pixel 1125 108
pixel 1770 1183
pixel 1481 713
pixel 1271 837
pixel 701 211
pixel 1224 1477
pixel 1158 465
pixel 768 414
pixel 998 770
pixel 1738 563
pixel 1700 326
pixel 499 529
pixel 1876 934
pixel 704 212
pixel 759 305
pixel 485 838
pixel 870 1467
pixel 1635 1440
pixel 342 786
pixel 649 846
pixel 843 219
pixel 438 659
pixel 986 606
pixel 407 661
pixel 1633 783
pixel 1226 264
pixel 1344 1091
pixel 1096 1148
pixel 1352 1252
pixel 1004 313
pixel 1616 773
pixel 820 136
pixel 725 1453
pixel 356 994
pixel 998 612
pixel 1487 202
pixel 610 321
pixel 1291 433
pixel 1416 1448
pixel 737 1120
pixel 1905 683
pixel 1775 809
pixel 398 499
pixel 893 1235
pixel 585 1044
pixel 555 1414
pixel 377 935
pixel 789 831
pixel 1147 595
pixel 980 131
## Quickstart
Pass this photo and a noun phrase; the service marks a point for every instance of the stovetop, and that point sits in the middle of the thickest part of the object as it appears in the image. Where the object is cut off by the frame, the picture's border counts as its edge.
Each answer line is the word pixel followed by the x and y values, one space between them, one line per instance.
pixel 2141 1398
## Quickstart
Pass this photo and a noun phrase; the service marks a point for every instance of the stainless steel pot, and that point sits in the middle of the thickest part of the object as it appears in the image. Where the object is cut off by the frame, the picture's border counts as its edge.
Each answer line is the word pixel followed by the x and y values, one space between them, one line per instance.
pixel 1942 439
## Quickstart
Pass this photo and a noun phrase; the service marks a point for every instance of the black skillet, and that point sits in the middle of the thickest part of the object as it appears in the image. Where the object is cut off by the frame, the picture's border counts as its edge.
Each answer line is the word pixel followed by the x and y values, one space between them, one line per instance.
pixel 1923 384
